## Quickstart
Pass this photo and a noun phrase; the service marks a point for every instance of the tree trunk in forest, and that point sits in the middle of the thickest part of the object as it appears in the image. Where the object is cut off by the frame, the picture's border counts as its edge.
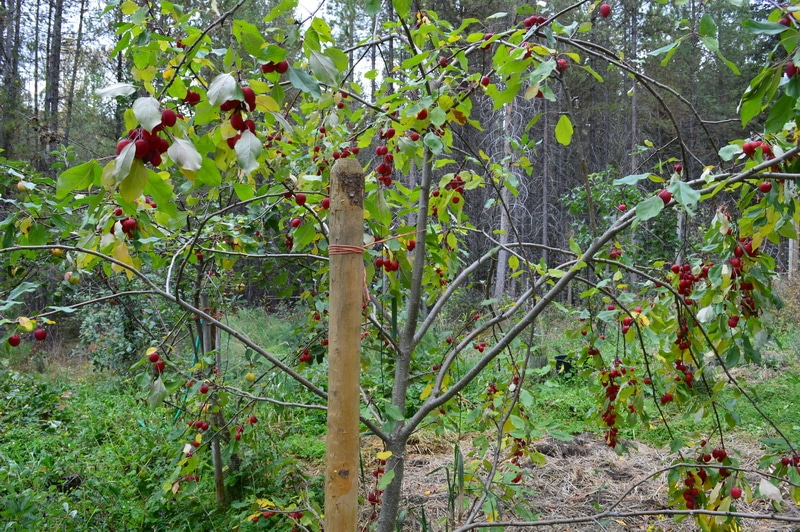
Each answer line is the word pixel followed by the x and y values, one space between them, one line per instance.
pixel 10 45
pixel 53 76
pixel 634 92
pixel 344 347
pixel 75 63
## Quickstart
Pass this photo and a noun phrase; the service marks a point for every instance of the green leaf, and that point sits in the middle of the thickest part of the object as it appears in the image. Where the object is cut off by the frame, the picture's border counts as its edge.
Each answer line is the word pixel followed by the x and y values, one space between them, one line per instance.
pixel 402 8
pixel 77 178
pixel 248 149
pixel 392 412
pixel 649 208
pixel 11 299
pixel 433 142
pixel 157 393
pixel 243 191
pixel 303 82
pixel 763 27
pixel 248 36
pixel 564 130
pixel 133 185
pixel 323 68
pixel 665 49
pixel 781 112
pixel 710 43
pixel 372 7
pixel 708 28
pixel 630 179
pixel 685 195
pixel 386 479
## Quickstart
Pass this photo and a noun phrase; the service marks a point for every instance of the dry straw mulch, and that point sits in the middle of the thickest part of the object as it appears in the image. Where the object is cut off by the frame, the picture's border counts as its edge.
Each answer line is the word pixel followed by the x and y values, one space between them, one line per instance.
pixel 579 477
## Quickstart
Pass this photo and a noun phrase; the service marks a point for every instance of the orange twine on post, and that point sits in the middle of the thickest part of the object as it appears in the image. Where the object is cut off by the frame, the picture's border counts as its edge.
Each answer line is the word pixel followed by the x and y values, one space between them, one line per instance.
pixel 343 249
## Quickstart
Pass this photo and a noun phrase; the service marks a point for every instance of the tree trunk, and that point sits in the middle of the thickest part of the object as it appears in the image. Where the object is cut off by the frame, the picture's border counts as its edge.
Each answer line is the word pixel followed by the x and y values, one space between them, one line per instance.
pixel 75 63
pixel 344 347
pixel 53 76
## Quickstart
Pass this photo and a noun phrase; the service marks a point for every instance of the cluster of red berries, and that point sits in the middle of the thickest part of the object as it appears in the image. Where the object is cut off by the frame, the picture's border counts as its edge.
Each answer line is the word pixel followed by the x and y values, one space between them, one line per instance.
pixel 237 119
pixel 611 381
pixel 157 361
pixel 534 20
pixel 457 184
pixel 281 67
pixel 384 168
pixel 479 346
pixel 127 224
pixel 686 279
pixel 750 147
pixel 380 470
pixel 148 145
pixel 199 424
pixel 388 265
pixel 305 356
pixel 491 389
pixel 688 375
pixel 615 253
pixel 238 434
pixel 374 497
pixel 691 493
pixel 191 478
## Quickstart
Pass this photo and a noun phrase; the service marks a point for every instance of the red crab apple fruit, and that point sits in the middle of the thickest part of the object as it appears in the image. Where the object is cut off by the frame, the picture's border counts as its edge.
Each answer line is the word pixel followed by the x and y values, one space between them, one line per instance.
pixel 300 199
pixel 422 115
pixel 678 168
pixel 622 207
pixel 153 357
pixel 666 398
pixel 160 365
pixel 605 10
pixel 562 65
pixel 282 67
pixel 296 222
pixel 325 203
pixel 765 187
pixel 736 492
pixel 485 81
pixel 168 118
pixel 13 340
pixel 204 389
pixel 733 321
pixel 665 195
pixel 40 334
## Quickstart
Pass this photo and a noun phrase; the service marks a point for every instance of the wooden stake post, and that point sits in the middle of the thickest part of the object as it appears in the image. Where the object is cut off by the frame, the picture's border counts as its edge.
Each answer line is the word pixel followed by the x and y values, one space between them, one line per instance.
pixel 344 345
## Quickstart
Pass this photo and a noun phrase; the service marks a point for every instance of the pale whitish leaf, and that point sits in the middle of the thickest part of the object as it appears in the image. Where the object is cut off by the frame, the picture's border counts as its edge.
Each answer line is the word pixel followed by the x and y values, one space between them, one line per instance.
pixel 185 155
pixel 706 314
pixel 123 162
pixel 116 89
pixel 248 148
pixel 157 393
pixel 222 88
pixel 769 491
pixel 147 111
pixel 729 152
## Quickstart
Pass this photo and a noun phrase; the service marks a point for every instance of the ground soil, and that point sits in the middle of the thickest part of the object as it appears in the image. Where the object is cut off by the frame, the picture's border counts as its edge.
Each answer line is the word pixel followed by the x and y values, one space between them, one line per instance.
pixel 580 478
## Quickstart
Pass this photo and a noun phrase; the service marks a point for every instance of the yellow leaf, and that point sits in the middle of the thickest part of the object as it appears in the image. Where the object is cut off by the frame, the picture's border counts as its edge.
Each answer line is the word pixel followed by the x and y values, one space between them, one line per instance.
pixel 457 116
pixel 265 503
pixel 384 455
pixel 26 323
pixel 266 103
pixel 121 254
pixel 25 225
pixel 644 321
pixel 426 391
pixel 150 350
pixel 129 8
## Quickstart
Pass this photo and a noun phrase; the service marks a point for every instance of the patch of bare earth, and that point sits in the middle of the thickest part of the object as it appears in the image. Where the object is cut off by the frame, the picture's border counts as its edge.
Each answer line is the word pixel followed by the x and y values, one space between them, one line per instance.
pixel 580 478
